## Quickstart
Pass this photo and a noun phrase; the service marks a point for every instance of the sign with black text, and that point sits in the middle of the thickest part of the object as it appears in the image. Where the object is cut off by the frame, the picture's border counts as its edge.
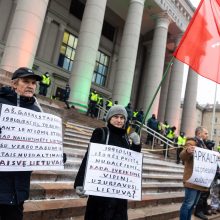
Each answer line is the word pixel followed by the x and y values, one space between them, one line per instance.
pixel 113 172
pixel 204 167
pixel 29 140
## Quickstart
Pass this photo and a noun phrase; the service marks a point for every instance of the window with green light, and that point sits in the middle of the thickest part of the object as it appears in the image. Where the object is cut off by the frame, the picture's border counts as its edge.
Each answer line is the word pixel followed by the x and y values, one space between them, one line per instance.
pixel 67 51
pixel 101 69
pixel 67 54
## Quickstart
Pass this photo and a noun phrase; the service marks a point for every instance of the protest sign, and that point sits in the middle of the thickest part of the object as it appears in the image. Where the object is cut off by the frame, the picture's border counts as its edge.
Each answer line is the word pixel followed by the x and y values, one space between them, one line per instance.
pixel 204 167
pixel 113 172
pixel 29 140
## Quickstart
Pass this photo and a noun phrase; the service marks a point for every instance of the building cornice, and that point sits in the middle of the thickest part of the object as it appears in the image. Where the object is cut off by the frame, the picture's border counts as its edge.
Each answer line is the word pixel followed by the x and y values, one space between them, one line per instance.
pixel 180 11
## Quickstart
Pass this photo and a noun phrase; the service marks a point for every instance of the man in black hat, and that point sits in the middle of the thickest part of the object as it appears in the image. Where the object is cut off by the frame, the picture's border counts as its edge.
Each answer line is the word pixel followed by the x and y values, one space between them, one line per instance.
pixel 15 186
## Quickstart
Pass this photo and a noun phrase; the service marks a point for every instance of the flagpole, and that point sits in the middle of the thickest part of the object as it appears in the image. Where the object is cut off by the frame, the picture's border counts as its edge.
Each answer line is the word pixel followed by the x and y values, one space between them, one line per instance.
pixel 213 113
pixel 156 92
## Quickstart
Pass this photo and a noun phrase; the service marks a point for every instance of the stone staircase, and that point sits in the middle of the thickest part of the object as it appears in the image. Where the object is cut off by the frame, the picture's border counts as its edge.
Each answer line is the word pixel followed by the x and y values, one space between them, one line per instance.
pixel 52 196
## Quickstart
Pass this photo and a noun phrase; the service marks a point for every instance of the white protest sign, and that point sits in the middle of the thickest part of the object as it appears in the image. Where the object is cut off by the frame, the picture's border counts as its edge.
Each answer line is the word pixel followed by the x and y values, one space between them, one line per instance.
pixel 204 167
pixel 113 172
pixel 29 140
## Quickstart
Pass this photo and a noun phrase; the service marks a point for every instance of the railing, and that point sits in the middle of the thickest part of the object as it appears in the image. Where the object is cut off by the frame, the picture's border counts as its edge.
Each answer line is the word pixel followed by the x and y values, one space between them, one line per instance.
pixel 157 136
pixel 101 112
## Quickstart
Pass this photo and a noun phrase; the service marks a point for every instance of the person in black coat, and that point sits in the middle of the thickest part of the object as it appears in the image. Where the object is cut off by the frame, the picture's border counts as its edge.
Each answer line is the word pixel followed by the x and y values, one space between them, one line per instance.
pixel 14 186
pixel 104 208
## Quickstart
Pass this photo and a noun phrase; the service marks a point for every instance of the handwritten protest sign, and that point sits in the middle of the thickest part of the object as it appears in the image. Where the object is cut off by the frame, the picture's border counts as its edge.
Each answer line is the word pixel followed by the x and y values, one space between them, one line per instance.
pixel 113 172
pixel 204 167
pixel 29 140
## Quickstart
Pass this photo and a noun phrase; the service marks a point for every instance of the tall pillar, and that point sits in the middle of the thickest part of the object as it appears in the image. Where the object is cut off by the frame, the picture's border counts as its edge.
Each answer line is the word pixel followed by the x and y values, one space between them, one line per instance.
pixel 188 123
pixel 59 38
pixel 163 95
pixel 174 93
pixel 156 62
pixel 6 10
pixel 43 40
pixel 24 34
pixel 128 52
pixel 147 47
pixel 85 58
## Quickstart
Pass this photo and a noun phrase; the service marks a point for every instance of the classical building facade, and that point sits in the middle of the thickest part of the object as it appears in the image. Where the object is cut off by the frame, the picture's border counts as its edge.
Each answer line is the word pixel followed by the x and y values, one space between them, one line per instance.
pixel 119 48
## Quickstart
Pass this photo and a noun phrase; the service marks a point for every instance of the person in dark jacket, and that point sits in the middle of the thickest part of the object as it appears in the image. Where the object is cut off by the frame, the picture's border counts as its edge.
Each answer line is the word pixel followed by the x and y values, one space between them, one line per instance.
pixel 104 208
pixel 14 186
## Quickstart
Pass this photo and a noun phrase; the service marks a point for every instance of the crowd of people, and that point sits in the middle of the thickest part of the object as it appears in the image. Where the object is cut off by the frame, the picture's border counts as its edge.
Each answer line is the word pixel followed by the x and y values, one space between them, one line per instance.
pixel 15 186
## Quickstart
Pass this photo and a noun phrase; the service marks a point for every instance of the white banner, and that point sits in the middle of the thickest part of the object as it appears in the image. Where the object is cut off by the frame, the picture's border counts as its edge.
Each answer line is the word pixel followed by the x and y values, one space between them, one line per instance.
pixel 29 140
pixel 204 167
pixel 113 172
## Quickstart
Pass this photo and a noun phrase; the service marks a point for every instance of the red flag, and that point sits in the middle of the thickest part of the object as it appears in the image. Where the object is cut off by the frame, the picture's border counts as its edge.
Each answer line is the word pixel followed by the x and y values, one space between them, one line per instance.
pixel 200 44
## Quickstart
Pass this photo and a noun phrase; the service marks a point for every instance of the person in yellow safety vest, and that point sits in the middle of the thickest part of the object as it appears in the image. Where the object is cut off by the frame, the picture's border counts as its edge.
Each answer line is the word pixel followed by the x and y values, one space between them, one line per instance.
pixel 170 135
pixel 93 98
pixel 108 104
pixel 218 148
pixel 98 104
pixel 135 113
pixel 181 141
pixel 44 84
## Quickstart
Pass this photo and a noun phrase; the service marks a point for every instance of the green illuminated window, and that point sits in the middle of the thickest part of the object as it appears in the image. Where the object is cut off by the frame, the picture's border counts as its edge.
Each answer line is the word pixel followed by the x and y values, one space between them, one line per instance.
pixel 67 51
pixel 67 55
pixel 101 69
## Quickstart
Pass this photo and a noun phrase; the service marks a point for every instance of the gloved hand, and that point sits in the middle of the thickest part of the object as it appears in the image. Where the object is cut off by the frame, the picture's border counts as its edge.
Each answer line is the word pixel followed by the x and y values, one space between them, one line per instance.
pixel 64 157
pixel 80 192
pixel 135 138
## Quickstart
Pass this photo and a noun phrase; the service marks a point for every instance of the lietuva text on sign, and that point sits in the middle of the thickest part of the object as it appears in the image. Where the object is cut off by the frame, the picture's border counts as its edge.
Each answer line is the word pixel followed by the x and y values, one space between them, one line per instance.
pixel 30 140
pixel 113 172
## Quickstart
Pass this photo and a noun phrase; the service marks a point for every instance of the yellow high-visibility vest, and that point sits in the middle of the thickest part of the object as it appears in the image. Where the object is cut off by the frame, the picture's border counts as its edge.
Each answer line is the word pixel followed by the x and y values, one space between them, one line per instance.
pixel 109 103
pixel 135 114
pixel 45 80
pixel 94 97
pixel 181 140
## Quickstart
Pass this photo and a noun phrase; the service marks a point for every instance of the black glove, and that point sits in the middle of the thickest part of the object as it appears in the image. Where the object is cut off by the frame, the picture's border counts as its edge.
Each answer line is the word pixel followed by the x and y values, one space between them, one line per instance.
pixel 64 158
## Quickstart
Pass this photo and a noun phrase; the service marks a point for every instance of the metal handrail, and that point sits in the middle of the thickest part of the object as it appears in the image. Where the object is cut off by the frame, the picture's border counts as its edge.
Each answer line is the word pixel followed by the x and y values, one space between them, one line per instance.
pixel 158 136
pixel 101 111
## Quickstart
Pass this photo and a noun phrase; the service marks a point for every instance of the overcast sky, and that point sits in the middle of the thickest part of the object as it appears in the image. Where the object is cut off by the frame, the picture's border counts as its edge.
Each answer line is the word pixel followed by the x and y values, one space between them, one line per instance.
pixel 206 88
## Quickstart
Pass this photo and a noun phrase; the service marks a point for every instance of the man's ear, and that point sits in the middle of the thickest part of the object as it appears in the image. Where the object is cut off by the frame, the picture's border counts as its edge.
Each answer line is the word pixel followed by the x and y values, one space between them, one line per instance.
pixel 14 83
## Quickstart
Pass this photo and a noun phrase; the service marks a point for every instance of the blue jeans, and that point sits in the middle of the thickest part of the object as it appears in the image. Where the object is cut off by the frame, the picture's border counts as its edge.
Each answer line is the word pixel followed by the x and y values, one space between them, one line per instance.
pixel 190 200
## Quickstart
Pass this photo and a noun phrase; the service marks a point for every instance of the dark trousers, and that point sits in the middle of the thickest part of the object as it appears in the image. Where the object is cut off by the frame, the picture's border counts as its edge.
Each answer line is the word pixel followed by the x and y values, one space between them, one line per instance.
pixel 202 205
pixel 11 212
pixel 92 109
pixel 178 151
pixel 43 89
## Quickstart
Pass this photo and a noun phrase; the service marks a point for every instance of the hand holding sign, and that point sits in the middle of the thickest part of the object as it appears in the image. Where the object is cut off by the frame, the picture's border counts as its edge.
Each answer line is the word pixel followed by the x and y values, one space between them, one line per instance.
pixel 190 149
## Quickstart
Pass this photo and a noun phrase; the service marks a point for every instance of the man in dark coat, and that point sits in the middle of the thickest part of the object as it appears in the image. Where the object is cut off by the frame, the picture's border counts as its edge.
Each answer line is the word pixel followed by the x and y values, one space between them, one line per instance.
pixel 104 208
pixel 14 186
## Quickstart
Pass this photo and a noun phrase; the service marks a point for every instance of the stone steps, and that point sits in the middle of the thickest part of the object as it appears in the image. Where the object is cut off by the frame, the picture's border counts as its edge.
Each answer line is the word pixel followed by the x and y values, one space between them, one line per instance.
pixel 150 207
pixel 64 189
pixel 212 217
pixel 69 175
pixel 52 196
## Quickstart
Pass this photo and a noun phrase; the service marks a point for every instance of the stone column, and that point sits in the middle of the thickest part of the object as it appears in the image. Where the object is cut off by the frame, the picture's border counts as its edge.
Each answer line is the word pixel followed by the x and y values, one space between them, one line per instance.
pixel 59 39
pixel 43 39
pixel 9 20
pixel 143 80
pixel 188 123
pixel 154 70
pixel 174 93
pixel 24 34
pixel 163 96
pixel 128 52
pixel 85 58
